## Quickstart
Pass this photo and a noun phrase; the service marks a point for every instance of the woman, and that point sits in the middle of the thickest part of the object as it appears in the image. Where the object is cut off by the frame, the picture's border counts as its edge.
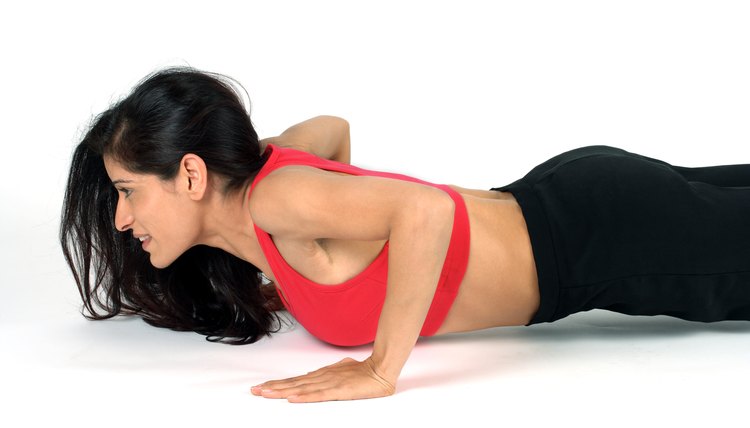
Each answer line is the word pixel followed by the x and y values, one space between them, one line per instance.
pixel 175 211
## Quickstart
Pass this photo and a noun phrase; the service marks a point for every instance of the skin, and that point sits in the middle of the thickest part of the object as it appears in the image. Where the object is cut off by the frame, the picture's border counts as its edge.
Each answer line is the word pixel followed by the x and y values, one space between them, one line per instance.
pixel 499 288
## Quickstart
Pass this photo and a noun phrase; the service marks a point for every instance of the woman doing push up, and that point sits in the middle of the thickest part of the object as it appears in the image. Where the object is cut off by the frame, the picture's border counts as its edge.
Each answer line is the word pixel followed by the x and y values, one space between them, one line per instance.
pixel 175 211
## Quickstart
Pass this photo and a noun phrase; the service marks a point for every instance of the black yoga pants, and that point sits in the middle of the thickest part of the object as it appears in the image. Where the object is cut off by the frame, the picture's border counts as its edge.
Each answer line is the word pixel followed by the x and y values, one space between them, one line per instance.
pixel 623 232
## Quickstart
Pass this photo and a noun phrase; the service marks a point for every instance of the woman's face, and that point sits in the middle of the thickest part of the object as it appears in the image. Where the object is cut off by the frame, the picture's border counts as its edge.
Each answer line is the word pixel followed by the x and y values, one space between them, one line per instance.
pixel 158 212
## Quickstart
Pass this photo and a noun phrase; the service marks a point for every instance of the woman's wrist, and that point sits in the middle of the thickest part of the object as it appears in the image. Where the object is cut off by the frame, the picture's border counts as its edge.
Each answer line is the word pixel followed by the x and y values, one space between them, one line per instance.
pixel 386 365
pixel 388 380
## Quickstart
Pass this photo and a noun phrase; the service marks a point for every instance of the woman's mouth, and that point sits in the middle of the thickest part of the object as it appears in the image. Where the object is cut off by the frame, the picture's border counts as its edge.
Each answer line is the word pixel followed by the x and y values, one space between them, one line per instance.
pixel 145 240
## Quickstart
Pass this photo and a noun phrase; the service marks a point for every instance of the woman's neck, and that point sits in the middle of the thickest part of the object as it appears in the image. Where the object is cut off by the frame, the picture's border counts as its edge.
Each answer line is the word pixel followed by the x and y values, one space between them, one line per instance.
pixel 228 225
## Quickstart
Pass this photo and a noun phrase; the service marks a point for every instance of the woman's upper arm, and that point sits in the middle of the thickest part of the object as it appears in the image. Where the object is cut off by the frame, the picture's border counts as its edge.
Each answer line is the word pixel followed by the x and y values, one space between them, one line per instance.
pixel 324 136
pixel 308 203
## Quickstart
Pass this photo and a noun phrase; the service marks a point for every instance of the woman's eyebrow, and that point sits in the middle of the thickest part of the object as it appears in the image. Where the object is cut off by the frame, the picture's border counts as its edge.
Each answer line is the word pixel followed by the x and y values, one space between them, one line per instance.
pixel 121 181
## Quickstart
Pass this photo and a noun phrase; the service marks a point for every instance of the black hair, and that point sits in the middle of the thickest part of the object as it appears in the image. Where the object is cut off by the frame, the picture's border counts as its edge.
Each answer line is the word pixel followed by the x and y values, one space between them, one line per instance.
pixel 169 113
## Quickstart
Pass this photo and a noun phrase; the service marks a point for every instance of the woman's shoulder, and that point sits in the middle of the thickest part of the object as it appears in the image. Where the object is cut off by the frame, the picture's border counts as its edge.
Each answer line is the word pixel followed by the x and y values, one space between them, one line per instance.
pixel 282 190
pixel 324 136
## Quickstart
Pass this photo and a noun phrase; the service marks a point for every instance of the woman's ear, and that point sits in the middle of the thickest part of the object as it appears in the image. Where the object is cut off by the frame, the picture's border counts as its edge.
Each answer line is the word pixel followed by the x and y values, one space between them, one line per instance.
pixel 194 175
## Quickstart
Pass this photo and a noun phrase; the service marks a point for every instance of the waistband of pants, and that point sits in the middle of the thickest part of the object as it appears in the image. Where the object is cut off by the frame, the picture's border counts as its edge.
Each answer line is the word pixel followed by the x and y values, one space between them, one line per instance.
pixel 542 247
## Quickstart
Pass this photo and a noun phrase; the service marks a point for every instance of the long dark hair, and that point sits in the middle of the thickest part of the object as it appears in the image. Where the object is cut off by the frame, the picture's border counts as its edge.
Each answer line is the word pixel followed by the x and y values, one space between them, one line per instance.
pixel 170 112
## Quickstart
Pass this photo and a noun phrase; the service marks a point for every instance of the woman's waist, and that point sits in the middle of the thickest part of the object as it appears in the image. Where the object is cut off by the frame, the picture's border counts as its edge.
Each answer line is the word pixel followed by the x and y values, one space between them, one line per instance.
pixel 500 286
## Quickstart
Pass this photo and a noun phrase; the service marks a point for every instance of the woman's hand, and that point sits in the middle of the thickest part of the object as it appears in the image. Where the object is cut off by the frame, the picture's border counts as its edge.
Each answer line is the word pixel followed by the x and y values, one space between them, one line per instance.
pixel 348 379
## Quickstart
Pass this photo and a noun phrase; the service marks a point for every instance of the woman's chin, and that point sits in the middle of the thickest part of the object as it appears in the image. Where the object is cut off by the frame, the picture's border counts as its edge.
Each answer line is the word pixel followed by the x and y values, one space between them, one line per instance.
pixel 159 263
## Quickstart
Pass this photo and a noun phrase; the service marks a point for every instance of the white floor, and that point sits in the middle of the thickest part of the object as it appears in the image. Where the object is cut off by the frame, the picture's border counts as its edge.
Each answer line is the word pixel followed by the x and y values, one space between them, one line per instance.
pixel 591 369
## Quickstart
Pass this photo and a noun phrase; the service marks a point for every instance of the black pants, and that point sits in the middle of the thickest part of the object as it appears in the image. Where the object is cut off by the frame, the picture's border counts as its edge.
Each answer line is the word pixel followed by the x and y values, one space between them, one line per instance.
pixel 619 231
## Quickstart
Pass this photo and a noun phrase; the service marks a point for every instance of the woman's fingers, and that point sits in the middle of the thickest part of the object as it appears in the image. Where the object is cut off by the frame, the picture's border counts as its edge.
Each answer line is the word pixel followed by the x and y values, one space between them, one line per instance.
pixel 345 380
pixel 273 387
pixel 281 382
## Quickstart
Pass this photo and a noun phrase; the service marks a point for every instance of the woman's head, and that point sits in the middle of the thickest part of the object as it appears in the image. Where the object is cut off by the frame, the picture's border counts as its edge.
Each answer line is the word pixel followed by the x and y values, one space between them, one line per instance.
pixel 172 114
pixel 178 111
pixel 148 139
pixel 164 215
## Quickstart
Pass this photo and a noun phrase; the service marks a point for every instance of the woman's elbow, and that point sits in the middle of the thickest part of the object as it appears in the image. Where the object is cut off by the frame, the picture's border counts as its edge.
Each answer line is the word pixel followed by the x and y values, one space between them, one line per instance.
pixel 435 209
pixel 343 141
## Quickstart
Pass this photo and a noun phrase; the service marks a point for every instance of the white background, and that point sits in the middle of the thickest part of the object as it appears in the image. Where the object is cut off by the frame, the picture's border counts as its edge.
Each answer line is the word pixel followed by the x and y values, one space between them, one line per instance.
pixel 469 93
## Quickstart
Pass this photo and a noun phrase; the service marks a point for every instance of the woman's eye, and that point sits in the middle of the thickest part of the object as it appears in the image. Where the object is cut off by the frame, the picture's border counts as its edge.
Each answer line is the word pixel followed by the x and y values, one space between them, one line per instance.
pixel 126 192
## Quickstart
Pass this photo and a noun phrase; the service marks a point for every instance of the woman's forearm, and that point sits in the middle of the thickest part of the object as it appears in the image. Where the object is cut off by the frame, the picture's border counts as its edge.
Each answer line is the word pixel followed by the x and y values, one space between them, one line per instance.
pixel 418 245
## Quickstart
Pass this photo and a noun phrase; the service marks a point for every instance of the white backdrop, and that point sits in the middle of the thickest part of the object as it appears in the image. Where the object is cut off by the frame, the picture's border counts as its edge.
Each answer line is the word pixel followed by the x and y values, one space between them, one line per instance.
pixel 469 93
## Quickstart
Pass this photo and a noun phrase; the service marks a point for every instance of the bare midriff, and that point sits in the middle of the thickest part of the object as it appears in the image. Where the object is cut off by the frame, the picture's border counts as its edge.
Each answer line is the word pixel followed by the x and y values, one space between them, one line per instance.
pixel 500 285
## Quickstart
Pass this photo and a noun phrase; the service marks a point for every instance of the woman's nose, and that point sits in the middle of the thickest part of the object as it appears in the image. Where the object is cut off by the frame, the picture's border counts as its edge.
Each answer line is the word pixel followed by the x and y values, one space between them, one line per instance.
pixel 123 217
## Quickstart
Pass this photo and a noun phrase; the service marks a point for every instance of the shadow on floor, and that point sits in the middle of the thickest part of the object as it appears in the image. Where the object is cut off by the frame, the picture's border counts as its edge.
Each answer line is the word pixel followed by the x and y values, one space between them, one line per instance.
pixel 604 325
pixel 580 339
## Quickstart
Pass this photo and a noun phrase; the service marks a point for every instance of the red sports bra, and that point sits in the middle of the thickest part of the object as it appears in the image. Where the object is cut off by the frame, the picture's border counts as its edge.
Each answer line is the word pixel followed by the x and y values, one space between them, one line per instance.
pixel 347 314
